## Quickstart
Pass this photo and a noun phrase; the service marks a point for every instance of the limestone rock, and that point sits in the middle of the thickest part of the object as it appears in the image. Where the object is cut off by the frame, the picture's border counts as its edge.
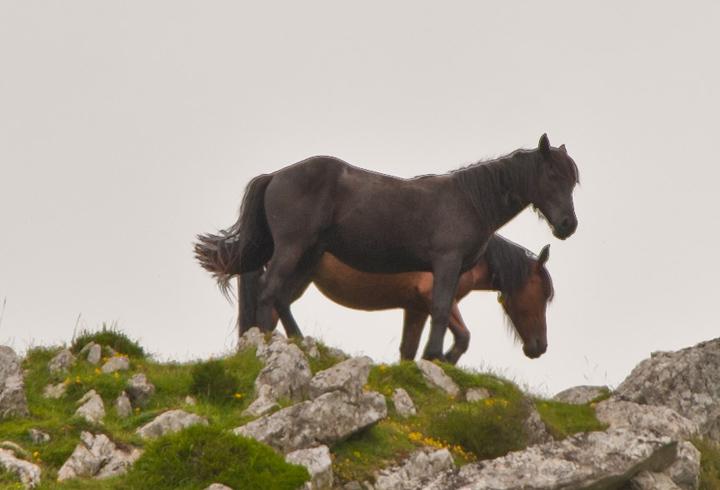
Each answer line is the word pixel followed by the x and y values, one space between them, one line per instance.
pixel 38 436
pixel 580 395
pixel 116 363
pixel 28 473
pixel 139 390
pixel 286 375
pixel 12 386
pixel 327 419
pixel 169 422
pixel 660 420
pixel 648 480
pixel 253 338
pixel 311 347
pixel 93 352
pixel 318 463
pixel 15 448
pixel 123 407
pixel 218 486
pixel 421 467
pixel 537 432
pixel 588 460
pixel 685 471
pixel 435 376
pixel 97 456
pixel 91 407
pixel 348 376
pixel 62 362
pixel 688 381
pixel 404 405
pixel 55 391
pixel 476 394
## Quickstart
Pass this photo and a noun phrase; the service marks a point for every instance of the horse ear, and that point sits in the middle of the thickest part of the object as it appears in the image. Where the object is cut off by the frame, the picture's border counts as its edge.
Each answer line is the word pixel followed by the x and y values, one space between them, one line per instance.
pixel 544 255
pixel 544 144
pixel 562 147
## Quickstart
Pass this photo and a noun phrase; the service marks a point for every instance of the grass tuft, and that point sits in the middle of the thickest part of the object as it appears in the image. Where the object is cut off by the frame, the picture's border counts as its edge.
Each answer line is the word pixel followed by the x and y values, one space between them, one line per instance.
pixel 109 336
pixel 566 419
pixel 212 381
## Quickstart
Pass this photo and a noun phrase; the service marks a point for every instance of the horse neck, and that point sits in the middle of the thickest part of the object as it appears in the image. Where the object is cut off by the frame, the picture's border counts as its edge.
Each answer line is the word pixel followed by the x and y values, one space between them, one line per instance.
pixel 499 189
pixel 482 277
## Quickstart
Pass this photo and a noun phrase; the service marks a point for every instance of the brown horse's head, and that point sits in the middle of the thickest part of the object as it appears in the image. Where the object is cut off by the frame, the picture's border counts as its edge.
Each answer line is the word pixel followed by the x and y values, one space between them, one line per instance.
pixel 526 304
pixel 552 195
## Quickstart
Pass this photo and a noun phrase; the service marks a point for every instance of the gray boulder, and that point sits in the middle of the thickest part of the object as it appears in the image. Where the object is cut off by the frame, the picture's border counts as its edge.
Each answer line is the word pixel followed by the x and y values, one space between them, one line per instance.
pixel 648 480
pixel 116 363
pixel 660 420
pixel 436 377
pixel 92 352
pixel 123 407
pixel 476 394
pixel 91 407
pixel 286 375
pixel 688 381
pixel 589 460
pixel 38 436
pixel 580 395
pixel 169 422
pixel 348 376
pixel 318 462
pixel 62 362
pixel 139 390
pixel 96 456
pixel 253 338
pixel 28 473
pixel 419 469
pixel 404 405
pixel 13 402
pixel 327 419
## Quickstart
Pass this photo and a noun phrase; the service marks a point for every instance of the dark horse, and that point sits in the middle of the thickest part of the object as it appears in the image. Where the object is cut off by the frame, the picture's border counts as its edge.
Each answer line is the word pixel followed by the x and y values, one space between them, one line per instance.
pixel 521 278
pixel 379 223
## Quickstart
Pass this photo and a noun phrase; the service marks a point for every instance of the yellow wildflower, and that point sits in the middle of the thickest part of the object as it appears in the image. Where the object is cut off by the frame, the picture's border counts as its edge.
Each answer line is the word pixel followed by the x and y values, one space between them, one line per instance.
pixel 238 396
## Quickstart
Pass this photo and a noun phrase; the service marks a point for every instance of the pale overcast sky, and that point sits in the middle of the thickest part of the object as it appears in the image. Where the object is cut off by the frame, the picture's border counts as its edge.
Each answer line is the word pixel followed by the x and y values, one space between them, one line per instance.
pixel 128 127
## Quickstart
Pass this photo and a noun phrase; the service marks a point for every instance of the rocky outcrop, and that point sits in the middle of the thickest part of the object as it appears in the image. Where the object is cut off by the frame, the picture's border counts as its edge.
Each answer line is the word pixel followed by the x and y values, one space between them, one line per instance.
pixel 169 422
pixel 96 456
pixel 589 460
pixel 62 362
pixel 348 377
pixel 404 405
pixel 92 352
pixel 28 473
pixel 660 420
pixel 139 390
pixel 286 373
pixel 579 395
pixel 436 377
pixel 116 363
pixel 318 462
pixel 91 407
pixel 417 471
pixel 687 381
pixel 12 386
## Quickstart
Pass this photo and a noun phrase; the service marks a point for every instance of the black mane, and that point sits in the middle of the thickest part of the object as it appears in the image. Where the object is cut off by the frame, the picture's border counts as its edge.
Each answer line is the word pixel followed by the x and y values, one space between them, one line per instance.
pixel 511 264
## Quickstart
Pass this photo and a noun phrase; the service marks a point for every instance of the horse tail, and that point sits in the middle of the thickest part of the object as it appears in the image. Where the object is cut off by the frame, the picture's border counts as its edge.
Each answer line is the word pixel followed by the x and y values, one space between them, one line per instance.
pixel 246 246
pixel 247 300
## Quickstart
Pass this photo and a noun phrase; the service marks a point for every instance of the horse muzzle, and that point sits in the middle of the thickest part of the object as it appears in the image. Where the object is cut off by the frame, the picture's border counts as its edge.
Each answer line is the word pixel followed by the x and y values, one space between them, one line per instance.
pixel 535 349
pixel 565 228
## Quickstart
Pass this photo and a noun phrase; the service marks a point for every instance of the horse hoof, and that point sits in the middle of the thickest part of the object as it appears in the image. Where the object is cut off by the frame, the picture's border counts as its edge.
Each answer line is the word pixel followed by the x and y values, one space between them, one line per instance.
pixel 431 356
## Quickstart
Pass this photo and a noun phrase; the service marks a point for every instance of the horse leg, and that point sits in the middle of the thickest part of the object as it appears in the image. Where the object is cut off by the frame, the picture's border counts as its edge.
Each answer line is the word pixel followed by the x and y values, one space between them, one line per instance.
pixel 460 333
pixel 282 266
pixel 413 323
pixel 446 274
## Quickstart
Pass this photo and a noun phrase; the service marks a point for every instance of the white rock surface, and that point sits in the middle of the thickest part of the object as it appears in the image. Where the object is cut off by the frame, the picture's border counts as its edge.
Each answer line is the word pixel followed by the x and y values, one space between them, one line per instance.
pixel 139 390
pixel 28 473
pixel 91 407
pixel 476 394
pixel 647 480
pixel 420 468
pixel 311 347
pixel 347 376
pixel 116 363
pixel 580 395
pixel 55 391
pixel 92 352
pixel 12 386
pixel 318 462
pixel 660 420
pixel 685 471
pixel 218 486
pixel 688 381
pixel 97 456
pixel 404 405
pixel 253 338
pixel 123 407
pixel 38 436
pixel 588 460
pixel 435 376
pixel 62 362
pixel 327 419
pixel 169 422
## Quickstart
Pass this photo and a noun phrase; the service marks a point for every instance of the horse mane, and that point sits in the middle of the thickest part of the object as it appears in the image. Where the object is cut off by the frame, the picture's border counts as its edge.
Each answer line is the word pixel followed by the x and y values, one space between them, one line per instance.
pixel 504 173
pixel 511 264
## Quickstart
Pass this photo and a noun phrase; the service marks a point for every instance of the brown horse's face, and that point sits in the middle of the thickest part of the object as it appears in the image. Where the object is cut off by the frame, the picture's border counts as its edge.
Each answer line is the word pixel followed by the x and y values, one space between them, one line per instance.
pixel 556 181
pixel 526 307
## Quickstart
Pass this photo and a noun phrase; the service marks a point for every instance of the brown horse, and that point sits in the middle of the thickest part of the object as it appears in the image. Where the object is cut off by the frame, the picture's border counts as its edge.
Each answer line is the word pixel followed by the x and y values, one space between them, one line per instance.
pixel 524 284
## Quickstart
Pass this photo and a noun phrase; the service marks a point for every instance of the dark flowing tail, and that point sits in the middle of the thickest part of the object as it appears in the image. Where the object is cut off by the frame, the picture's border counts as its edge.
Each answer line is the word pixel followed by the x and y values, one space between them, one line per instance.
pixel 246 246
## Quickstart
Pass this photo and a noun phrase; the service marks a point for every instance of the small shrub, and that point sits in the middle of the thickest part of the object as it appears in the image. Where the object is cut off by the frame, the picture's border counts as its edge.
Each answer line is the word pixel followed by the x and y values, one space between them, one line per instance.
pixel 200 455
pixel 212 381
pixel 489 428
pixel 109 337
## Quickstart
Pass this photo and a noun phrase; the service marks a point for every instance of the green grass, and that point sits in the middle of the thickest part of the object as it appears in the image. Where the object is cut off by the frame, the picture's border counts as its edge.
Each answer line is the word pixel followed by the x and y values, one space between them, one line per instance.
pixel 565 419
pixel 709 463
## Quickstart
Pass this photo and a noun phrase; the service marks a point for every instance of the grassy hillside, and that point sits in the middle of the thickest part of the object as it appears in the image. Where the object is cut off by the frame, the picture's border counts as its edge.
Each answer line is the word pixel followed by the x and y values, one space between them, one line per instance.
pixel 223 388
